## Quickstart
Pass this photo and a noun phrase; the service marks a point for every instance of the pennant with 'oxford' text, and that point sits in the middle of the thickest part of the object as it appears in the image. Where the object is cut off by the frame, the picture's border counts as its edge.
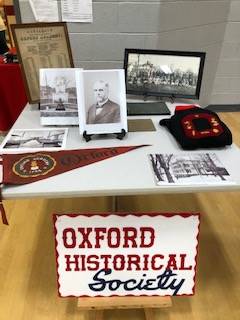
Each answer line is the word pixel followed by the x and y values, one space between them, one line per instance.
pixel 30 167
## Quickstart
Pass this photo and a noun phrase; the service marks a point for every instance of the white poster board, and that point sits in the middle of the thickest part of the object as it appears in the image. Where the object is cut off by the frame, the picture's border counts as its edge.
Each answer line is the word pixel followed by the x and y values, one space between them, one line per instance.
pixel 45 10
pixel 76 11
pixel 102 104
pixel 126 254
pixel 62 10
pixel 58 96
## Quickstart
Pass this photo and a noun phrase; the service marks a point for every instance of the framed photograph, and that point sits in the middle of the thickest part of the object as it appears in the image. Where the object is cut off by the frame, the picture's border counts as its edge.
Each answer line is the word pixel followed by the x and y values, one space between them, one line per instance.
pixel 175 74
pixel 58 97
pixel 41 45
pixel 29 140
pixel 101 101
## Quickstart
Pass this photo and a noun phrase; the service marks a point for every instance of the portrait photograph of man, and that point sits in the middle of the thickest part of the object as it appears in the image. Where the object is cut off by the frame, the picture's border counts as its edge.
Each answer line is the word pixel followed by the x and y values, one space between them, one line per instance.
pixel 102 101
pixel 103 110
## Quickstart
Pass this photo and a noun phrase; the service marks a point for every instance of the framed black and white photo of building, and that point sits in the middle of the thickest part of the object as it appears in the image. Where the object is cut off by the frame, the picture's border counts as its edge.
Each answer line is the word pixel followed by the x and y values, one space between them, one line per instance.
pixel 164 73
pixel 58 96
pixel 101 101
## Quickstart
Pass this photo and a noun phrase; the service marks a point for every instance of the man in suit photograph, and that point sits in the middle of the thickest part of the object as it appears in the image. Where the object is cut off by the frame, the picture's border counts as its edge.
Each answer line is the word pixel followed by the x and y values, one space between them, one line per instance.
pixel 103 110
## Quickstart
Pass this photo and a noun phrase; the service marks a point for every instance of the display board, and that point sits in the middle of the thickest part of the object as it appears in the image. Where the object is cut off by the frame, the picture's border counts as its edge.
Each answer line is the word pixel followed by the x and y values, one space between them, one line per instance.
pixel 128 254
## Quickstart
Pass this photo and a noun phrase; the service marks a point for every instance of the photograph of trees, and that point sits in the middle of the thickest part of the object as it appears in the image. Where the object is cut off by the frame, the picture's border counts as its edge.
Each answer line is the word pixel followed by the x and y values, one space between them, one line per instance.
pixel 185 168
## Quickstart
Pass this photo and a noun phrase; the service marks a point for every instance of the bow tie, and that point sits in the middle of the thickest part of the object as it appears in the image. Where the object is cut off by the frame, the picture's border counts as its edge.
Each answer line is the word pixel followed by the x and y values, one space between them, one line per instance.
pixel 99 107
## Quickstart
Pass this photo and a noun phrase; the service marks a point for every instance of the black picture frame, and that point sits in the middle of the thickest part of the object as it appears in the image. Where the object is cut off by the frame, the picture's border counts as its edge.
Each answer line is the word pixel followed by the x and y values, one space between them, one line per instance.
pixel 142 62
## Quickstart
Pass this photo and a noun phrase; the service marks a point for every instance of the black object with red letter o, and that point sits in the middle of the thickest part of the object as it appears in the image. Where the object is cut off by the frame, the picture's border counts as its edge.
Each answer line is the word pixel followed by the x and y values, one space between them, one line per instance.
pixel 195 128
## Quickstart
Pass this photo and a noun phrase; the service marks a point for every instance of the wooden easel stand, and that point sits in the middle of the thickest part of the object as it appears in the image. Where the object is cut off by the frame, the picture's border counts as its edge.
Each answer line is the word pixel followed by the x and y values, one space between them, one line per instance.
pixel 98 305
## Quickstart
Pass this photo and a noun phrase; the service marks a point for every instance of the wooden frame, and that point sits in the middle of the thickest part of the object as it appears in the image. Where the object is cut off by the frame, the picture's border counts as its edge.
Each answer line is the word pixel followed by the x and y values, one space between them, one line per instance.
pixel 10 19
pixel 41 45
pixel 99 305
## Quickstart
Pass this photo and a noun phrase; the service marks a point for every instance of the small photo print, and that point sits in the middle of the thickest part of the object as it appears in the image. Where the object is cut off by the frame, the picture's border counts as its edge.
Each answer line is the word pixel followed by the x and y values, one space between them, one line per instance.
pixel 58 97
pixel 197 168
pixel 28 140
pixel 102 101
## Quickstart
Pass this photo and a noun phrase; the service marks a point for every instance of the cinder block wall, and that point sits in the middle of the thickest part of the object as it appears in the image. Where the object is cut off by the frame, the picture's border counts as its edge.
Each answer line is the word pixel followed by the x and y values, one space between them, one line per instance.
pixel 226 89
pixel 191 25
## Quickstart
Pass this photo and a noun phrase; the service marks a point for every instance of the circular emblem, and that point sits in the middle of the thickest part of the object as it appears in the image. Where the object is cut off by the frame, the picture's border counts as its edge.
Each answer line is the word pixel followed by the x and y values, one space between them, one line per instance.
pixel 34 165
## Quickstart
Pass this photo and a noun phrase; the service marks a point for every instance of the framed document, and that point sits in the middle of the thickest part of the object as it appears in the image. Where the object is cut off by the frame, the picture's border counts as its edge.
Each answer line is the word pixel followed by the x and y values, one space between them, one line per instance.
pixel 41 45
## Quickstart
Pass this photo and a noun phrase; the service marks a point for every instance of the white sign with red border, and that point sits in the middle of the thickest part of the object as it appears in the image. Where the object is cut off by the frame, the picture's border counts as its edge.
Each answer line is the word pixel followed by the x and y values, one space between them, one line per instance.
pixel 126 254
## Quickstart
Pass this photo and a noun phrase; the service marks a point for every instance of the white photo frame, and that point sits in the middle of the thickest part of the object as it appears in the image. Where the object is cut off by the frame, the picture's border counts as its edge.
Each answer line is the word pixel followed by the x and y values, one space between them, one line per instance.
pixel 30 140
pixel 103 89
pixel 58 96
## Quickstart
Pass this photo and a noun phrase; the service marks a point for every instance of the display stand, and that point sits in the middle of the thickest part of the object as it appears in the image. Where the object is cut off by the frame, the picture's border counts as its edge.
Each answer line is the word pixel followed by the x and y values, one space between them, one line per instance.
pixel 99 304
pixel 119 135
pixel 171 97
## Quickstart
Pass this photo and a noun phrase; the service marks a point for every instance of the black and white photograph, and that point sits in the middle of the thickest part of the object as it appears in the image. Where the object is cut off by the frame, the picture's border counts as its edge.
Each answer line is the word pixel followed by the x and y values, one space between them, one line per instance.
pixel 164 73
pixel 58 97
pixel 28 140
pixel 102 101
pixel 199 168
